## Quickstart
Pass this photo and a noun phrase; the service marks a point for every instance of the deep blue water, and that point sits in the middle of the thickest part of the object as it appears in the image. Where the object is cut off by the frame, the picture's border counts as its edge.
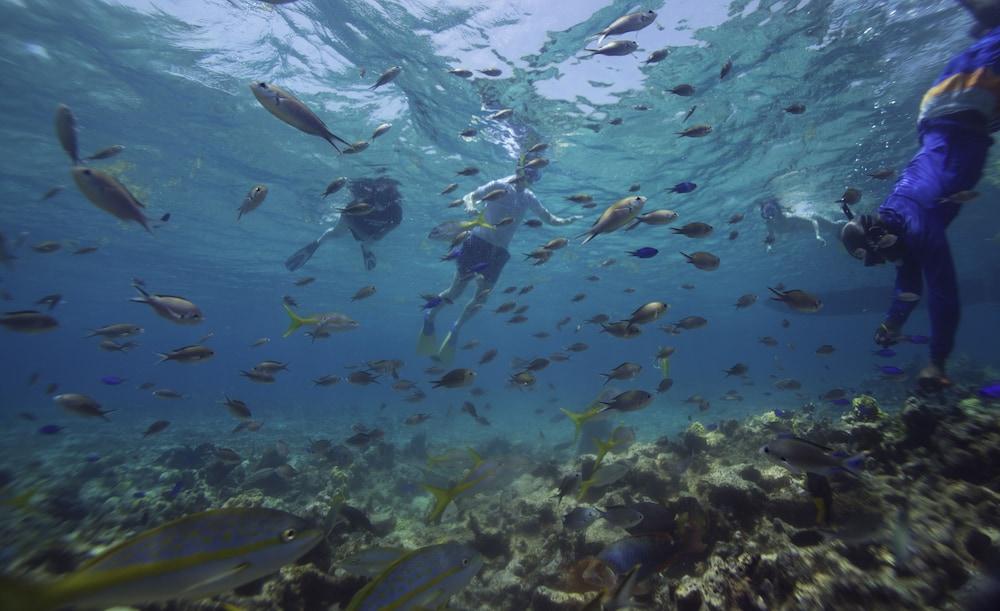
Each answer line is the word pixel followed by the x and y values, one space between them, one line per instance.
pixel 169 80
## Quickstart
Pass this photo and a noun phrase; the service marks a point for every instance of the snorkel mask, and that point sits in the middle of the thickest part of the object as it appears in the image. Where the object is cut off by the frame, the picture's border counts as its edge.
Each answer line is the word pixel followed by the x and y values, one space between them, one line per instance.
pixel 866 239
pixel 528 172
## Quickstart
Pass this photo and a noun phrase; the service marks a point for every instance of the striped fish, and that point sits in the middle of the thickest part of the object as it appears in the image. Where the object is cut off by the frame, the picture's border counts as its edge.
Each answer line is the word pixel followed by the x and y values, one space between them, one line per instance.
pixel 196 556
pixel 422 579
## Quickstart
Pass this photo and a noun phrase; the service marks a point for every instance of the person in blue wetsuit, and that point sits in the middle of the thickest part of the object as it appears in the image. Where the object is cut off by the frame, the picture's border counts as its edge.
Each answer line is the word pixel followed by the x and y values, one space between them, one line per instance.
pixel 483 253
pixel 957 115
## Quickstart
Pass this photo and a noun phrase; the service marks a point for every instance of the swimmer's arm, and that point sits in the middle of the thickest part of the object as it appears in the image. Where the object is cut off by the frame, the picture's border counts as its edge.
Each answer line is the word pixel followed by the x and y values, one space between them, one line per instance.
pixel 543 213
pixel 470 199
pixel 908 280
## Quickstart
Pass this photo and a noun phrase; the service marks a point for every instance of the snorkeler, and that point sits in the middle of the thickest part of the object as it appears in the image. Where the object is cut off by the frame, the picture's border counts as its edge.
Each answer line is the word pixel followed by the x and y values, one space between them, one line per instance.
pixel 483 253
pixel 382 194
pixel 779 219
pixel 957 115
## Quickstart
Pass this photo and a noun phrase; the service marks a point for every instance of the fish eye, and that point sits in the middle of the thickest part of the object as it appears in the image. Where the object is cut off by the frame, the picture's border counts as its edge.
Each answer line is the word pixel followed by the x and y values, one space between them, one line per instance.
pixel 465 562
pixel 87 172
pixel 288 534
pixel 767 450
pixel 263 85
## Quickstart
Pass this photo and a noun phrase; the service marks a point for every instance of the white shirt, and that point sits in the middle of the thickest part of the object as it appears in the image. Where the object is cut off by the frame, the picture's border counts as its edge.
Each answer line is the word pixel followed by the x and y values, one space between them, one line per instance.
pixel 514 204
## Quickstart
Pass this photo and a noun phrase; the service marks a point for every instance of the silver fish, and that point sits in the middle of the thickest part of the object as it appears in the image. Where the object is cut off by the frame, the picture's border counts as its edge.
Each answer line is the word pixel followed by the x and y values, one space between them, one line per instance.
pixel 105 192
pixel 292 111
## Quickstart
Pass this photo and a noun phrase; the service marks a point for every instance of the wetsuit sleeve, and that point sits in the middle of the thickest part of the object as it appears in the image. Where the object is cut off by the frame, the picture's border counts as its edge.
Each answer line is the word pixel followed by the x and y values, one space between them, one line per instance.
pixel 942 294
pixel 543 213
pixel 908 280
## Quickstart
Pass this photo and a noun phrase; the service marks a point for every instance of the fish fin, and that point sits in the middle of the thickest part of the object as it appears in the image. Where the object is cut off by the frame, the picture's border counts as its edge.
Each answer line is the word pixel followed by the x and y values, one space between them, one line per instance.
pixel 590 236
pixel 476 458
pixel 143 299
pixel 780 296
pixel 442 498
pixel 603 447
pixel 295 321
pixel 686 256
pixel 633 225
pixel 217 578
pixel 577 419
pixel 585 487
pixel 163 357
pixel 480 221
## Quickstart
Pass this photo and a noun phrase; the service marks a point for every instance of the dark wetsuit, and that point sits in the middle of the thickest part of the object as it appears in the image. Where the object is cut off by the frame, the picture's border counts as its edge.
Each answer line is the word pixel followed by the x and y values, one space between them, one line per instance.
pixel 955 121
pixel 374 225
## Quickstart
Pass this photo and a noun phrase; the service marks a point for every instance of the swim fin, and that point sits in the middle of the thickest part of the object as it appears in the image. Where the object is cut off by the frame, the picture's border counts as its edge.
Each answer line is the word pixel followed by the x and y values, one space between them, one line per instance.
pixel 302 255
pixel 446 354
pixel 426 342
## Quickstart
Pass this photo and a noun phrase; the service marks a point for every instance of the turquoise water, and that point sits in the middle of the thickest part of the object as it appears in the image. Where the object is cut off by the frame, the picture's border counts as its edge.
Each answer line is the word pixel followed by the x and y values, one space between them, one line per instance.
pixel 169 81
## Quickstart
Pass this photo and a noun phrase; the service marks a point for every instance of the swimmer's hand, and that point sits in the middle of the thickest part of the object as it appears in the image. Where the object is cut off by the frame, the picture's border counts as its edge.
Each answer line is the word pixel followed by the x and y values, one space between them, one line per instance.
pixel 886 335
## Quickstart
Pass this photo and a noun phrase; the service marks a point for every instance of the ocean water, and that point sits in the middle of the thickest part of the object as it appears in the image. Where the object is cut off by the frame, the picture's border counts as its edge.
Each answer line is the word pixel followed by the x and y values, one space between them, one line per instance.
pixel 169 80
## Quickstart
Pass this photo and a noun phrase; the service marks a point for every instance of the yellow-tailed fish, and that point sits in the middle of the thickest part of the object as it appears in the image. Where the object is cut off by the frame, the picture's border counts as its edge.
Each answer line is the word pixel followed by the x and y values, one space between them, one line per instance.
pixel 581 418
pixel 482 473
pixel 664 365
pixel 328 322
pixel 479 221
pixel 422 579
pixel 604 476
pixel 196 556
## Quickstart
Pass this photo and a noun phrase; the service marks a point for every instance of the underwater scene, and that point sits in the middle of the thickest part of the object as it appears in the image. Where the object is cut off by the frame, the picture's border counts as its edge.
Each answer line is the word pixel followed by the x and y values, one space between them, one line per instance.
pixel 512 305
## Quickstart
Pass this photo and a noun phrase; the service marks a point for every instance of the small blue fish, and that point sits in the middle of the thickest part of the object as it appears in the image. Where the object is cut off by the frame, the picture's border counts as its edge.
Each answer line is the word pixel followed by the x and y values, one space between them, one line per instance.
pixel 165 218
pixel 138 495
pixel 50 429
pixel 712 427
pixel 646 252
pixel 990 391
pixel 683 187
pixel 454 253
pixel 891 371
pixel 173 492
pixel 92 457
pixel 841 401
pixel 918 339
pixel 886 353
pixel 112 380
pixel 784 414
pixel 430 304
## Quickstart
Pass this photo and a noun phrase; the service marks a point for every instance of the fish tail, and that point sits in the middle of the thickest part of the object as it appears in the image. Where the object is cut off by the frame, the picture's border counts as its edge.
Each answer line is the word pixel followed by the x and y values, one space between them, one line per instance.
pixel 676 230
pixel 633 225
pixel 295 321
pixel 22 594
pixel 603 447
pixel 585 487
pixel 163 357
pixel 665 367
pixel 590 236
pixel 779 295
pixel 142 291
pixel 442 498
pixel 577 419
pixel 481 221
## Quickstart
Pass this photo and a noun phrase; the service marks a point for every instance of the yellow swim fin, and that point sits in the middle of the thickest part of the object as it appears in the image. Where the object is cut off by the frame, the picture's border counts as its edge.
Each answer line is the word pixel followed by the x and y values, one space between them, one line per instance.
pixel 426 344
pixel 446 353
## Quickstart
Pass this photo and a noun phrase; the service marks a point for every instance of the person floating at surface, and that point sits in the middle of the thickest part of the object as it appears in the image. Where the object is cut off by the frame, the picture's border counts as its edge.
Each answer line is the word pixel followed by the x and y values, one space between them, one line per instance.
pixel 483 253
pixel 385 215
pixel 790 220
pixel 957 114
